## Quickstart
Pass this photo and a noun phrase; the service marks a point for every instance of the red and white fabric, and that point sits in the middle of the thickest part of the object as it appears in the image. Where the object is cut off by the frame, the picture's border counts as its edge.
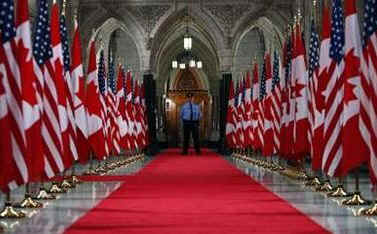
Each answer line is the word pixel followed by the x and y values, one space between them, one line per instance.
pixel 80 109
pixel 96 124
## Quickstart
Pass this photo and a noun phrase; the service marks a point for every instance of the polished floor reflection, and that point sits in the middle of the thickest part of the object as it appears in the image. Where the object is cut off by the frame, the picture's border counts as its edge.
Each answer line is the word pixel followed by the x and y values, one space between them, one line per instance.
pixel 328 212
pixel 61 213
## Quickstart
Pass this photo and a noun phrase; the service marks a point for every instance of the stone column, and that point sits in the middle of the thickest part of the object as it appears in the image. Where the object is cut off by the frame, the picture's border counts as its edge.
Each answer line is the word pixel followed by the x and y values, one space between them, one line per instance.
pixel 150 100
pixel 224 94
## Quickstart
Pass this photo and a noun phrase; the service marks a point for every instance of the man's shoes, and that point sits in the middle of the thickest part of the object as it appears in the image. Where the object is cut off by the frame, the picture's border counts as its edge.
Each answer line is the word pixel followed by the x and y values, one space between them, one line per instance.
pixel 184 153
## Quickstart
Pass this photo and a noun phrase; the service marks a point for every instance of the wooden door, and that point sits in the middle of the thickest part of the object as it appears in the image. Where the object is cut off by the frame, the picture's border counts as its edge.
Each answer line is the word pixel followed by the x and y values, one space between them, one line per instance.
pixel 174 123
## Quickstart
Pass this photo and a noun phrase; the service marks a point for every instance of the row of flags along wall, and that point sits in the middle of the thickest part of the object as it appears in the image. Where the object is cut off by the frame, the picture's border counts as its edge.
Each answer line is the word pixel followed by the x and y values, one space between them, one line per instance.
pixel 323 105
pixel 52 114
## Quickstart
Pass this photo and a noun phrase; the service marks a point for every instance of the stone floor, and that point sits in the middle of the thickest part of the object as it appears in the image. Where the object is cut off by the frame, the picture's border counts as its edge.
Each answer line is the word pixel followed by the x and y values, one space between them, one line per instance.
pixel 328 212
pixel 61 213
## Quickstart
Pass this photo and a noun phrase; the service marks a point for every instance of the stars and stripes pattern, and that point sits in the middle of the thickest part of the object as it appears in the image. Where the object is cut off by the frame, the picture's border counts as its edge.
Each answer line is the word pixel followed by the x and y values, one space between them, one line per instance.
pixel 369 85
pixel 316 113
pixel 112 110
pixel 334 94
pixel 46 109
pixel 69 90
pixel 105 112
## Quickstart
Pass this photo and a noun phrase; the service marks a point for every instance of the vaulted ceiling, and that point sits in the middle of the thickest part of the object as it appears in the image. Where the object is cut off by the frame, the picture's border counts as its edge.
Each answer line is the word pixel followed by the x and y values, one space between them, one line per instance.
pixel 220 28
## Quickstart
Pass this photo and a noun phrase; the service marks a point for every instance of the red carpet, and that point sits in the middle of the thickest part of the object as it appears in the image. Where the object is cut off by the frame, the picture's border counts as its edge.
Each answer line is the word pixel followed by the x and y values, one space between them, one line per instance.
pixel 189 194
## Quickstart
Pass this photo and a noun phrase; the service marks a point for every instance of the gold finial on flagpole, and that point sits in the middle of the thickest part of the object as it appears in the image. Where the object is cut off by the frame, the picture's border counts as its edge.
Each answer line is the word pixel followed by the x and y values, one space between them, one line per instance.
pixel 64 6
pixel 75 13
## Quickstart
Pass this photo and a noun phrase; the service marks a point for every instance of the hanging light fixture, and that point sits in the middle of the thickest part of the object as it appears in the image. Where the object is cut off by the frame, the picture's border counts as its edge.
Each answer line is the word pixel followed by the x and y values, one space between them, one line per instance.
pixel 187 59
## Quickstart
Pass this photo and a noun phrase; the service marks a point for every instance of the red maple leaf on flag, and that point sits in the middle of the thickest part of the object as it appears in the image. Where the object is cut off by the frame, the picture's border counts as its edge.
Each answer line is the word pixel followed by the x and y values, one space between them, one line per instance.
pixel 298 88
pixel 351 69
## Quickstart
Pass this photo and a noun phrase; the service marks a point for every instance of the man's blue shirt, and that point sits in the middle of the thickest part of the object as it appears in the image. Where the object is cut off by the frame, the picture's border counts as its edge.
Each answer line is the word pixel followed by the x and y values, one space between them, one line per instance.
pixel 186 112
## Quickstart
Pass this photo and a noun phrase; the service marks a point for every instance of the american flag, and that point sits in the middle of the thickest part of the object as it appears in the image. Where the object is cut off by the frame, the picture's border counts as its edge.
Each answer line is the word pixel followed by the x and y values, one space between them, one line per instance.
pixel 64 38
pixel 12 84
pixel 103 98
pixel 102 73
pixel 313 50
pixel 69 89
pixel 334 108
pixel 42 41
pixel 276 100
pixel 262 83
pixel 369 85
pixel 50 129
pixel 316 113
pixel 112 81
pixel 313 76
pixel 113 111
pixel 237 112
pixel 275 71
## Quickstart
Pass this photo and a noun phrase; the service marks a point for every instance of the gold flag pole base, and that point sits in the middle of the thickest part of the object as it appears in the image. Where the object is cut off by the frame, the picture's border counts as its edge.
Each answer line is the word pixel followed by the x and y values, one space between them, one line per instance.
pixel 65 185
pixel 91 172
pixel 29 203
pixel 315 182
pixel 101 170
pixel 44 195
pixel 372 211
pixel 356 200
pixel 75 180
pixel 56 189
pixel 338 192
pixel 326 187
pixel 10 213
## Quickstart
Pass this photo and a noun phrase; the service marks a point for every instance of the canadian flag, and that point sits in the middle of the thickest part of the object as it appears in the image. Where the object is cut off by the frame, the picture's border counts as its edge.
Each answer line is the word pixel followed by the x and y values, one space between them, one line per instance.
pixel 355 151
pixel 130 112
pixel 80 109
pixel 31 96
pixel 368 123
pixel 230 129
pixel 95 124
pixel 268 127
pixel 60 82
pixel 257 127
pixel 121 107
pixel 247 125
pixel 301 126
pixel 320 79
pixel 9 169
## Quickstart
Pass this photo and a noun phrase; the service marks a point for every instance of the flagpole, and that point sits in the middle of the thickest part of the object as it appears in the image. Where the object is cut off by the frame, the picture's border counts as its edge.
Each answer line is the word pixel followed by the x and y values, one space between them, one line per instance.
pixel 74 179
pixel 356 199
pixel 339 191
pixel 28 201
pixel 326 186
pixel 91 170
pixel 9 211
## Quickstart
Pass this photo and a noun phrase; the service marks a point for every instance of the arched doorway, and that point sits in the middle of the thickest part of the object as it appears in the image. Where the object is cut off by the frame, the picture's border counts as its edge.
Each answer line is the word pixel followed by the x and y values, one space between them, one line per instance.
pixel 186 81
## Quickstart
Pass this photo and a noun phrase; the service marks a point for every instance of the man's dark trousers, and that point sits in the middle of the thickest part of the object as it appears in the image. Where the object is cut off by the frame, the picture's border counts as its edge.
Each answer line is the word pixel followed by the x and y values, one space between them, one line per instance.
pixel 191 127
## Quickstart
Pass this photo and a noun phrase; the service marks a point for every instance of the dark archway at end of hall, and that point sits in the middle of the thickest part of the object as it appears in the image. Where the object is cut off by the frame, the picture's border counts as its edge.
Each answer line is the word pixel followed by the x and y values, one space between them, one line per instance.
pixel 186 81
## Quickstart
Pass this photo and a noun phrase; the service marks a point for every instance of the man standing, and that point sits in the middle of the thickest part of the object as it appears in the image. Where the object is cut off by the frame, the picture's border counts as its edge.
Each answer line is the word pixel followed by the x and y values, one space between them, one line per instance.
pixel 190 116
